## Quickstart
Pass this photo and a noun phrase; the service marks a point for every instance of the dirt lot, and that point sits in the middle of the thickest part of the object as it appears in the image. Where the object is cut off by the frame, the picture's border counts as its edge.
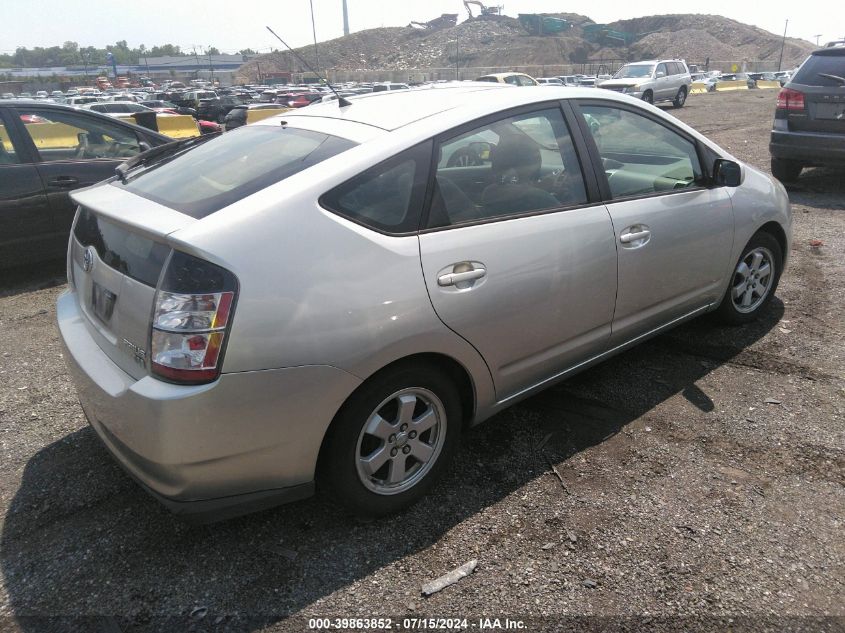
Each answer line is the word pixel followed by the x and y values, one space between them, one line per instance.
pixel 702 473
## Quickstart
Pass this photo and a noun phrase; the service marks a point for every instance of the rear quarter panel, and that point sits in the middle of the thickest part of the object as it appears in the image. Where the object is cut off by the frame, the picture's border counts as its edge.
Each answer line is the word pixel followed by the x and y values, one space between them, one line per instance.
pixel 318 289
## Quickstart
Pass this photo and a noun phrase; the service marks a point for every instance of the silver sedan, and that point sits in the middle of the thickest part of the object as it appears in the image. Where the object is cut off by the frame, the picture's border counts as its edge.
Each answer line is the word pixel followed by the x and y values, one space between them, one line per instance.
pixel 331 296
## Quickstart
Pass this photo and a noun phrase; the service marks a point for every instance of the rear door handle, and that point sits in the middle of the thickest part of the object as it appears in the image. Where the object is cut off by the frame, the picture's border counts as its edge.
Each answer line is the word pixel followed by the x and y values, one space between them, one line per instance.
pixel 627 238
pixel 63 181
pixel 450 279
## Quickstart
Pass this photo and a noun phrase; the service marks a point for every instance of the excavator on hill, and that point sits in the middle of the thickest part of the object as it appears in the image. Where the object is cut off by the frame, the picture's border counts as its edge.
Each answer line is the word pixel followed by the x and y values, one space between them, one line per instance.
pixel 484 9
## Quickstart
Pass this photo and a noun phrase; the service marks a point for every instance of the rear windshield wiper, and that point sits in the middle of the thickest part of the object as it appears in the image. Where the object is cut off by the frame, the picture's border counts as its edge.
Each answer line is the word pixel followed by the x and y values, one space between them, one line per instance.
pixel 834 77
pixel 157 153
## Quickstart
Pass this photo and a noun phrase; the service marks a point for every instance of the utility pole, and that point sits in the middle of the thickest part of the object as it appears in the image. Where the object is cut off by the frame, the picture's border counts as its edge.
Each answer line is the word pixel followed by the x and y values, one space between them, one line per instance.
pixel 197 59
pixel 210 65
pixel 314 32
pixel 782 44
pixel 457 57
pixel 817 38
pixel 345 19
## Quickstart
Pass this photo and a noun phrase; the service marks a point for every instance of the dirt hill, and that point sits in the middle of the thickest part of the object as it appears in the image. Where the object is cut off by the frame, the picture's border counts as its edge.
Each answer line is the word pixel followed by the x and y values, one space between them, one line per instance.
pixel 500 41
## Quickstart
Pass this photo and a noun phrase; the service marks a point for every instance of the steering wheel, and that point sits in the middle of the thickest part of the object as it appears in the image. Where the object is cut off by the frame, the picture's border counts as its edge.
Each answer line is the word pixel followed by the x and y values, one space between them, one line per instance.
pixel 113 150
pixel 561 184
pixel 464 157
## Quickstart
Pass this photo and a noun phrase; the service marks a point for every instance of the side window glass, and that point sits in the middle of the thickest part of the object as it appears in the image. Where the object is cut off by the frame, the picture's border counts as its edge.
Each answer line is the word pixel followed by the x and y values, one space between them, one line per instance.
pixel 69 136
pixel 641 156
pixel 512 79
pixel 661 68
pixel 8 155
pixel 387 197
pixel 518 164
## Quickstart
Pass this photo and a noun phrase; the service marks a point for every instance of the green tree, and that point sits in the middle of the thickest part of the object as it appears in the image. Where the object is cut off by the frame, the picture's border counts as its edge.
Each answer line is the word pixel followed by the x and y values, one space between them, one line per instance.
pixel 165 50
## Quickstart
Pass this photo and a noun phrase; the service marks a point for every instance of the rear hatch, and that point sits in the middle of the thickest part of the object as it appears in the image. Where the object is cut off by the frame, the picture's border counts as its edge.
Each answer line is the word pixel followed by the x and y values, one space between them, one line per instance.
pixel 114 266
pixel 821 79
pixel 121 240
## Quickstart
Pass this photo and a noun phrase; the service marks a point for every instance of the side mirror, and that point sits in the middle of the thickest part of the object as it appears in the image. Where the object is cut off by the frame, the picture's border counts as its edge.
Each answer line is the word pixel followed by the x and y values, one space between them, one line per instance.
pixel 726 173
pixel 659 74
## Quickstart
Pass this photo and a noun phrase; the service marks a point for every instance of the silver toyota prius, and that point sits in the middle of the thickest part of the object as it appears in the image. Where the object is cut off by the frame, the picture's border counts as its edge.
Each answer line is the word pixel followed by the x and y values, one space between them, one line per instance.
pixel 331 296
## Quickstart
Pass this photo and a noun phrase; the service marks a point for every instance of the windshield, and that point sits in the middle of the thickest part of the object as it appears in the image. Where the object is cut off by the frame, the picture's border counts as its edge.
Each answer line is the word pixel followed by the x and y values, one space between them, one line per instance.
pixel 634 71
pixel 217 173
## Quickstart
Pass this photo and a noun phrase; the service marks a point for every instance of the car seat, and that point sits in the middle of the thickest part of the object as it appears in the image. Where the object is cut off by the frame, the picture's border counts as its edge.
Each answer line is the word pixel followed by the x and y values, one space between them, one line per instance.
pixel 516 163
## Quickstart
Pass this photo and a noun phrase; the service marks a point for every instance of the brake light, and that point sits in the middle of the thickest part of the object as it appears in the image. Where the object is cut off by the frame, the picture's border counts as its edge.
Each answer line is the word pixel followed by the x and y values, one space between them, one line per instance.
pixel 789 99
pixel 191 319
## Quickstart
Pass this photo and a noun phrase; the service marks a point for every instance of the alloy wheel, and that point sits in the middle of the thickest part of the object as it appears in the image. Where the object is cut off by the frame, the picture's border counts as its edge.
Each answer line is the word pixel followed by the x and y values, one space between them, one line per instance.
pixel 752 280
pixel 401 441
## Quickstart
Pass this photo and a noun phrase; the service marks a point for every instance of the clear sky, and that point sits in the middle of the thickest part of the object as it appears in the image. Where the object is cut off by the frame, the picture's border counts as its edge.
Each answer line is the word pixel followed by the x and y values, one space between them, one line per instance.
pixel 231 25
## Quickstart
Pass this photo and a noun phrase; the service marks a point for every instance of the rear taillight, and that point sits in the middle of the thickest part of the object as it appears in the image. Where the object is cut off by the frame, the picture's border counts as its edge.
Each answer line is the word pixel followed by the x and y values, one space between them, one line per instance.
pixel 191 318
pixel 789 99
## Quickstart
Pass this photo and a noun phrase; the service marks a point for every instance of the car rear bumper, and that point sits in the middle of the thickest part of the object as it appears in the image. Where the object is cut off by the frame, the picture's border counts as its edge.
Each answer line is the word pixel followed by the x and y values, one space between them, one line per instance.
pixel 812 148
pixel 246 441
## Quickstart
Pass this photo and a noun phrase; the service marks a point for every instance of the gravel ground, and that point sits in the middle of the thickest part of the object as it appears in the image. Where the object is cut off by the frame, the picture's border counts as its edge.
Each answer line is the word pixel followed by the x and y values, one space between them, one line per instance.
pixel 696 478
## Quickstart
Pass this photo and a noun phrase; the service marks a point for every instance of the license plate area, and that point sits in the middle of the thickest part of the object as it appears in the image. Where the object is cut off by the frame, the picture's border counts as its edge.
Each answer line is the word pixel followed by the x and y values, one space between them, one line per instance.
pixel 102 302
pixel 834 111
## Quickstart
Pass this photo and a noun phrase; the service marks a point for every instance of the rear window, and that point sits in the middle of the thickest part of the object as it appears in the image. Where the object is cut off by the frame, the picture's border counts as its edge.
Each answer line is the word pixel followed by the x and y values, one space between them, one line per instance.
pixel 813 71
pixel 219 172
pixel 124 251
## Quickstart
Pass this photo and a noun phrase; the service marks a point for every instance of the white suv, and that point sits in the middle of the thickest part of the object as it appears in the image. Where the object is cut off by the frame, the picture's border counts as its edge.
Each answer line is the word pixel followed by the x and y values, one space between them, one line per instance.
pixel 652 81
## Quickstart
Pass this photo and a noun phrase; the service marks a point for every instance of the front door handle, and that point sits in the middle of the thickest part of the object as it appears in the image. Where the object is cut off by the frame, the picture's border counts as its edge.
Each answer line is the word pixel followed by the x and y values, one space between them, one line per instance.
pixel 63 181
pixel 451 279
pixel 627 238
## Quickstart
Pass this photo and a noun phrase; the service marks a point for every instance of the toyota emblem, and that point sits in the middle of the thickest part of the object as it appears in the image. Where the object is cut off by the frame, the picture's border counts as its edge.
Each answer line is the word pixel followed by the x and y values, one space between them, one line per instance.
pixel 88 259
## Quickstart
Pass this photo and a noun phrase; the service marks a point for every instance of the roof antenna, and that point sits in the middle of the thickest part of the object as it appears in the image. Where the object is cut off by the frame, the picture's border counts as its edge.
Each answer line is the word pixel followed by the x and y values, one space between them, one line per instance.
pixel 340 100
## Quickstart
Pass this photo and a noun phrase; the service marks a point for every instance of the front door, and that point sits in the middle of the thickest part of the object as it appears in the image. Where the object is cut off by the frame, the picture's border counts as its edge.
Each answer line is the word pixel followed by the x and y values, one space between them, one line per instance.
pixel 524 268
pixel 674 235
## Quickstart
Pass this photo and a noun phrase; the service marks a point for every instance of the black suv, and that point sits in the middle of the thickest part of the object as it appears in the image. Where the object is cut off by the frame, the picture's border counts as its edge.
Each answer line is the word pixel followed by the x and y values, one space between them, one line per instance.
pixel 809 125
pixel 217 109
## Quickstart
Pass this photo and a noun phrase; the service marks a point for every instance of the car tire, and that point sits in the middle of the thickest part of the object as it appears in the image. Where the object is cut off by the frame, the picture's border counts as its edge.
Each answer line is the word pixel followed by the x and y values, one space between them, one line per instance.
pixel 680 98
pixel 648 96
pixel 786 170
pixel 754 280
pixel 364 462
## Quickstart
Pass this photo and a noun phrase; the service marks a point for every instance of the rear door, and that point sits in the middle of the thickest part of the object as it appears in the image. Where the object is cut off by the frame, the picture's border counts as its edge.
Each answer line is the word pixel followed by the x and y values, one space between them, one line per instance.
pixel 74 149
pixel 525 267
pixel 674 232
pixel 26 224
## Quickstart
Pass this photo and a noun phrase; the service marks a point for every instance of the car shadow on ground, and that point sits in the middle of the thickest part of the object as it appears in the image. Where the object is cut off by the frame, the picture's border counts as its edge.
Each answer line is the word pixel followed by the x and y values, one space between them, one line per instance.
pixel 819 187
pixel 84 548
pixel 48 274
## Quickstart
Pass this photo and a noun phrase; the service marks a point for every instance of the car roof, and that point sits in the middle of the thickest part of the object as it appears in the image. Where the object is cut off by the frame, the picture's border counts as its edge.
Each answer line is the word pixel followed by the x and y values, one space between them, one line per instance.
pixel 390 110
